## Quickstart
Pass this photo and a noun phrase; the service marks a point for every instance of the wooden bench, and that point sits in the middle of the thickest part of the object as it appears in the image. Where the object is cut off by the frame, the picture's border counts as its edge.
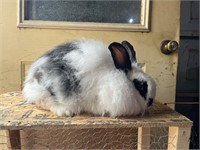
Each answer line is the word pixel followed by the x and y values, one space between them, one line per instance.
pixel 29 127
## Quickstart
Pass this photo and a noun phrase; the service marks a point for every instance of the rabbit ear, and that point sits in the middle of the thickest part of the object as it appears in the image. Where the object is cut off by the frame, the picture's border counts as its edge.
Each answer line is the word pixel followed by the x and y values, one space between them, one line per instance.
pixel 120 56
pixel 130 51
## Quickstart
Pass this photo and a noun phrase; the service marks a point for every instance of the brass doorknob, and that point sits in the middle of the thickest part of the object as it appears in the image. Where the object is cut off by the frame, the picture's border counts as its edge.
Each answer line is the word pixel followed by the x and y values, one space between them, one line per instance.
pixel 168 46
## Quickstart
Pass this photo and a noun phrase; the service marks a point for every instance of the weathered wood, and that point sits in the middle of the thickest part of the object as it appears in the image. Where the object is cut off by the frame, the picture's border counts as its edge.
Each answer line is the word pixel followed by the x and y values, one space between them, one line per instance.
pixel 14 139
pixel 106 132
pixel 4 140
pixel 144 138
pixel 179 138
pixel 15 116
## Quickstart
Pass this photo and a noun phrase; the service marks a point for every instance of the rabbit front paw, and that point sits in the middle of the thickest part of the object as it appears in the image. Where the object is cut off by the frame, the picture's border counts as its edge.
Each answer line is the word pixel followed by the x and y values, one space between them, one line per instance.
pixel 61 111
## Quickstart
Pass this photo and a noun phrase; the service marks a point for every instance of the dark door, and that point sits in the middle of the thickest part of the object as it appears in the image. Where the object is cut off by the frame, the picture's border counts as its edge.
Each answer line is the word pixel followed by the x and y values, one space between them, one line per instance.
pixel 187 90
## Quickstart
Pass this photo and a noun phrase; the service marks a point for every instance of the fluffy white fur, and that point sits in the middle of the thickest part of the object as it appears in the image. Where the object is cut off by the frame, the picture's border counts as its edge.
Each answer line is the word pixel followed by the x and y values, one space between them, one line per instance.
pixel 104 89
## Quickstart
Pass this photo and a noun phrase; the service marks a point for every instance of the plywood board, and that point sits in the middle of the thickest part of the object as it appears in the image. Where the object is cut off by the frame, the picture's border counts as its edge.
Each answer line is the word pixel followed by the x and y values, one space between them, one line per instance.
pixel 14 115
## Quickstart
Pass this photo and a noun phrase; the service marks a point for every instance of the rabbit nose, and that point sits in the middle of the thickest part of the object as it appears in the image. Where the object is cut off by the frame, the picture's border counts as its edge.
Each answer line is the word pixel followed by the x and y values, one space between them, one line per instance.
pixel 150 102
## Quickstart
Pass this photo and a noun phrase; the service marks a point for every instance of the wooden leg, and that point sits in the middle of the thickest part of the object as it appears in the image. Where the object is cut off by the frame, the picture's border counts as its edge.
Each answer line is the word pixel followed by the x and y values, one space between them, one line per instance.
pixel 179 138
pixel 144 138
pixel 14 136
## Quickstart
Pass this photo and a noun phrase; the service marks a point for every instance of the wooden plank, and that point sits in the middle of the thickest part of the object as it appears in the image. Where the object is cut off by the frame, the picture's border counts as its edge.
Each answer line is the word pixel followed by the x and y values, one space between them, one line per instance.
pixel 4 140
pixel 15 116
pixel 144 137
pixel 14 138
pixel 179 138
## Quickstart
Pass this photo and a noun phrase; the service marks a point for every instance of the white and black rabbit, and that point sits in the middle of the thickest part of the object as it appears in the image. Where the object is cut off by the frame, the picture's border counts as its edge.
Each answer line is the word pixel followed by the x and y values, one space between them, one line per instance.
pixel 87 76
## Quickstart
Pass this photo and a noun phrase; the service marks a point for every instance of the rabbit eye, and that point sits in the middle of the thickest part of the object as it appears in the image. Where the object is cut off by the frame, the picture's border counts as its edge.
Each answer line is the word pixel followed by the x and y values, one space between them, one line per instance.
pixel 141 86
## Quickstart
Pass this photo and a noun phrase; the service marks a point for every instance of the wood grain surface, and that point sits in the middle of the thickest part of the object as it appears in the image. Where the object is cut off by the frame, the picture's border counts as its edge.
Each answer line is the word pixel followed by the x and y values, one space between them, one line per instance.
pixel 14 115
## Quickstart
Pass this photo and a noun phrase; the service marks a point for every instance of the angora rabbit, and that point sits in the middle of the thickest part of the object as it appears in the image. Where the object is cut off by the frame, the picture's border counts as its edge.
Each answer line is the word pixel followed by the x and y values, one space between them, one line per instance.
pixel 86 76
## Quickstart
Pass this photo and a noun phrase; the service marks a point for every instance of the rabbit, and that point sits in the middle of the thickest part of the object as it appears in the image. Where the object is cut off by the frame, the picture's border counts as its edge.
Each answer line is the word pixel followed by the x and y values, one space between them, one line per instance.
pixel 87 76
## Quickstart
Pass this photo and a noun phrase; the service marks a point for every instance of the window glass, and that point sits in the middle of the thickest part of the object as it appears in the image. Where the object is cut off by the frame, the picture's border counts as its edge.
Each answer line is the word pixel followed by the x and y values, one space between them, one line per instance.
pixel 98 11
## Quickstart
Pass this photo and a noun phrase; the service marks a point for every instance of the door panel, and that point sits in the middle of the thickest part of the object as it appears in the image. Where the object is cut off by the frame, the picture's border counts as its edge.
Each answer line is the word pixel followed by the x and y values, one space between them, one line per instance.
pixel 190 18
pixel 21 44
pixel 188 67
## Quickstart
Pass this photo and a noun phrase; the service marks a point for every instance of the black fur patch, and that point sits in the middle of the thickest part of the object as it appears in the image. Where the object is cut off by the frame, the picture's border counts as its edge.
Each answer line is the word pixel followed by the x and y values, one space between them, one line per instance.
pixel 50 91
pixel 150 102
pixel 141 86
pixel 60 51
pixel 60 69
pixel 38 76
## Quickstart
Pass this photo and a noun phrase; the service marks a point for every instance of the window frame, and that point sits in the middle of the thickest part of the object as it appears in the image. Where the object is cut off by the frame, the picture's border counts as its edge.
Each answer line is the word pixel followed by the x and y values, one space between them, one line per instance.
pixel 144 25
